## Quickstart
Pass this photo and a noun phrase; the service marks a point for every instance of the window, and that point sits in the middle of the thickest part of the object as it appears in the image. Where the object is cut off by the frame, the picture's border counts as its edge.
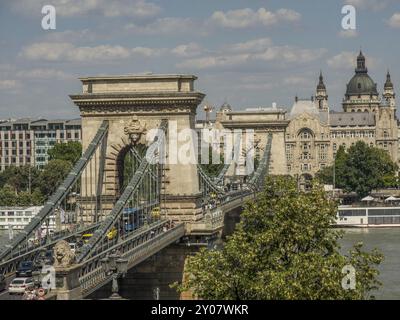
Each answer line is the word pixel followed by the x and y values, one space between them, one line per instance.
pixel 306 134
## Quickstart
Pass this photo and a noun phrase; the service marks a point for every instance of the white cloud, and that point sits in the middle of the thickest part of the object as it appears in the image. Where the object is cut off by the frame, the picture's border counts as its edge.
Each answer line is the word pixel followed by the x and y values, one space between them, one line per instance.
pixel 347 59
pixel 343 60
pixel 255 45
pixel 258 51
pixel 191 49
pixel 348 33
pixel 368 4
pixel 244 18
pixel 394 21
pixel 72 8
pixel 9 84
pixel 64 51
pixel 169 25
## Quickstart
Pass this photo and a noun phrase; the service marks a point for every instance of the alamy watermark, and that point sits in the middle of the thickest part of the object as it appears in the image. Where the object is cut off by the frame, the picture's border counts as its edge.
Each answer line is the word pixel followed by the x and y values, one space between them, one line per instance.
pixel 206 146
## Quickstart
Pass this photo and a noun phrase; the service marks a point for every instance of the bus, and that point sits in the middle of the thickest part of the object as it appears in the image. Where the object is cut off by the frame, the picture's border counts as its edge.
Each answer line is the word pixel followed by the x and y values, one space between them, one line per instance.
pixel 130 219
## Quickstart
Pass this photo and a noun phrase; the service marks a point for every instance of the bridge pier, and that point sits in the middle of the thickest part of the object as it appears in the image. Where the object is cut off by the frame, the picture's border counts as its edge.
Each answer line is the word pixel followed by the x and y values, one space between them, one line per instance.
pixel 159 271
pixel 67 283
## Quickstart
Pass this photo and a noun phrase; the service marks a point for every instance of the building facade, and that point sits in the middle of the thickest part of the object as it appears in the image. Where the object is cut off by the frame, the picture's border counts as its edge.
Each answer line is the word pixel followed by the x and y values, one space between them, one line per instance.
pixel 27 141
pixel 313 133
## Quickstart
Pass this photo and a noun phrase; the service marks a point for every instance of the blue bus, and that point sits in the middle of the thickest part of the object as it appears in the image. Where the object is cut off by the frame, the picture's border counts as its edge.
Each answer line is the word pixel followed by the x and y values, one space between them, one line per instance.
pixel 130 219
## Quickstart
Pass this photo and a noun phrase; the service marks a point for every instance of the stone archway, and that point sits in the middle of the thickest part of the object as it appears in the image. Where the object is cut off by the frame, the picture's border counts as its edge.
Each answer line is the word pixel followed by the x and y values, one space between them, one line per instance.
pixel 131 103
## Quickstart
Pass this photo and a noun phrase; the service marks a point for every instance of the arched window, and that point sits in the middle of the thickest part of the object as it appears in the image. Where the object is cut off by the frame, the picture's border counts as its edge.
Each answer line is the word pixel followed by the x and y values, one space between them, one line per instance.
pixel 306 134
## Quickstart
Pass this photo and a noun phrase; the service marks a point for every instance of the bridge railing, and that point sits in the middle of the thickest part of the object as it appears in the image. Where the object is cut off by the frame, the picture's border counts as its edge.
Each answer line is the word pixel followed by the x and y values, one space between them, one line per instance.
pixel 136 248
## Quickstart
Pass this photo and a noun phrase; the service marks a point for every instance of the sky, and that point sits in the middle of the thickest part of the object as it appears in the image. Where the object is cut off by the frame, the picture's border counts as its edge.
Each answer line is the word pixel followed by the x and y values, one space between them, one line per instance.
pixel 247 53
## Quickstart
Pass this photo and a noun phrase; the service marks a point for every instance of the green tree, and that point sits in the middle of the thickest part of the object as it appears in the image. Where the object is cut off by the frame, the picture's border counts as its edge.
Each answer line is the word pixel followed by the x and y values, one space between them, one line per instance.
pixel 210 168
pixel 53 175
pixel 8 196
pixel 361 169
pixel 283 248
pixel 70 151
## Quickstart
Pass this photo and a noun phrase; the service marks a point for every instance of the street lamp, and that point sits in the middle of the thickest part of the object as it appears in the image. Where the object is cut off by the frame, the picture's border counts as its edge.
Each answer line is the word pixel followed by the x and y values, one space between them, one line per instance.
pixel 116 266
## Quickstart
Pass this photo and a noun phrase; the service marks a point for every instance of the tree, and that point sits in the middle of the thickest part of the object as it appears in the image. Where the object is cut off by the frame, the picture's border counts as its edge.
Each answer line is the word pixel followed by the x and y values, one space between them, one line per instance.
pixel 53 175
pixel 283 248
pixel 70 151
pixel 210 168
pixel 361 169
pixel 8 196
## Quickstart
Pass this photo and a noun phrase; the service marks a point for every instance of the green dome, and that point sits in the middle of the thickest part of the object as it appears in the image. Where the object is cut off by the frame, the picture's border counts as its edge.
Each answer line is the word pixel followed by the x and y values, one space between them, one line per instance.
pixel 361 84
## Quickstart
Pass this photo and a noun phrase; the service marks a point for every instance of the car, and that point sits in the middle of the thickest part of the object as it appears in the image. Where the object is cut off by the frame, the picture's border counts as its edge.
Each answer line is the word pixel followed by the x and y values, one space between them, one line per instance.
pixel 25 269
pixel 2 282
pixel 112 233
pixel 19 285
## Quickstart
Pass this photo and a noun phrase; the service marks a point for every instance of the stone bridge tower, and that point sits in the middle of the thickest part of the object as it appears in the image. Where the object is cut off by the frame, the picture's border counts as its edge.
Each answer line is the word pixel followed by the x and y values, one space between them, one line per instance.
pixel 139 102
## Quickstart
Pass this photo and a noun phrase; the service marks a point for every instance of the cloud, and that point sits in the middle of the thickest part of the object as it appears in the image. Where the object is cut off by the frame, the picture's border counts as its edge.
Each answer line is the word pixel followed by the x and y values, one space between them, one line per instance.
pixel 9 84
pixel 394 21
pixel 244 18
pixel 369 4
pixel 191 49
pixel 251 53
pixel 168 25
pixel 73 8
pixel 64 51
pixel 348 33
pixel 348 59
pixel 255 45
pixel 343 60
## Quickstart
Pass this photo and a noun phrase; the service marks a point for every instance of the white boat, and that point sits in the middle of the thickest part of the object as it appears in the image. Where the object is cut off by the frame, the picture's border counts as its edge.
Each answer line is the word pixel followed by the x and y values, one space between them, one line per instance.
pixel 363 217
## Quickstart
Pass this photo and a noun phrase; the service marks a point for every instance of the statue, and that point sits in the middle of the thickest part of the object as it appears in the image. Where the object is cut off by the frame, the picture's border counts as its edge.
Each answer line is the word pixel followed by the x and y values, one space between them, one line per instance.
pixel 134 130
pixel 63 255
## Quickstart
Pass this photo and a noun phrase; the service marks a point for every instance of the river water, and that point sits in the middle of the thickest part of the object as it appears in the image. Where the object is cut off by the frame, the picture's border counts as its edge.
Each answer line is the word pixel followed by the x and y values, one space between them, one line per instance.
pixel 387 241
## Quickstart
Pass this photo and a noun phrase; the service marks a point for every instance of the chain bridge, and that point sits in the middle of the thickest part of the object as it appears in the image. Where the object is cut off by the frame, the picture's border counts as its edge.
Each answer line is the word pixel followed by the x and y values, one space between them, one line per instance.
pixel 120 197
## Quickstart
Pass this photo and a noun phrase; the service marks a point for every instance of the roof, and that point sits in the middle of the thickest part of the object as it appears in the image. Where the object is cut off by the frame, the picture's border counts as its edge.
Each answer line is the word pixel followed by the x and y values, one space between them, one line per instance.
pixel 361 83
pixel 149 76
pixel 344 119
pixel 304 106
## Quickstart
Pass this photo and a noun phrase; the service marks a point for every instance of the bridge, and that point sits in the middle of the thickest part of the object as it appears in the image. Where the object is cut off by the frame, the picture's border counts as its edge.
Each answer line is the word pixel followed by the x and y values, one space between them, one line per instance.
pixel 126 192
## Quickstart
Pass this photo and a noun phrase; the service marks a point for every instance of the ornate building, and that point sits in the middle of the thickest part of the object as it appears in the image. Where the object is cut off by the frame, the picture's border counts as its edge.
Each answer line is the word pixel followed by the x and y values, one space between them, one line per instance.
pixel 314 134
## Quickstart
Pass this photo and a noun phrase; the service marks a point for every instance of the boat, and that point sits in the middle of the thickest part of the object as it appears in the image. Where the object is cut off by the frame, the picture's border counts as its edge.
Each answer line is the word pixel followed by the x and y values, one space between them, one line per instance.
pixel 364 217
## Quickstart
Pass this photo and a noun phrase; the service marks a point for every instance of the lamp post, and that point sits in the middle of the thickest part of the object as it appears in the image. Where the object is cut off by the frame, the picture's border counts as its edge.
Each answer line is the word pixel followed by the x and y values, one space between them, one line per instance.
pixel 116 266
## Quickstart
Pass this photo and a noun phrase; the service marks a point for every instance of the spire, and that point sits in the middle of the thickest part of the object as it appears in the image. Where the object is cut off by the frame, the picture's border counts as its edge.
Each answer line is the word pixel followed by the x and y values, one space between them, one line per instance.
pixel 361 68
pixel 321 84
pixel 388 83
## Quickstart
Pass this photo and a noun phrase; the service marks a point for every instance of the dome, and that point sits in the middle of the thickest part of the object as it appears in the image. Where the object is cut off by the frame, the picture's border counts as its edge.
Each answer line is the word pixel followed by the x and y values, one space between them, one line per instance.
pixel 226 107
pixel 361 84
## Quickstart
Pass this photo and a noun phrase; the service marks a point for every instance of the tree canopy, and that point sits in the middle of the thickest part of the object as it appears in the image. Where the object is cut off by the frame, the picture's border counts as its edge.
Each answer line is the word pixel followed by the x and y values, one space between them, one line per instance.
pixel 361 169
pixel 70 151
pixel 26 185
pixel 283 248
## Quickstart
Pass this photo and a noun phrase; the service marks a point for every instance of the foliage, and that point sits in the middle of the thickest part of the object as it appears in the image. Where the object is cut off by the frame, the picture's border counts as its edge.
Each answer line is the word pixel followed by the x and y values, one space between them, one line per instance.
pixel 283 248
pixel 361 169
pixel 52 175
pixel 211 169
pixel 70 151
